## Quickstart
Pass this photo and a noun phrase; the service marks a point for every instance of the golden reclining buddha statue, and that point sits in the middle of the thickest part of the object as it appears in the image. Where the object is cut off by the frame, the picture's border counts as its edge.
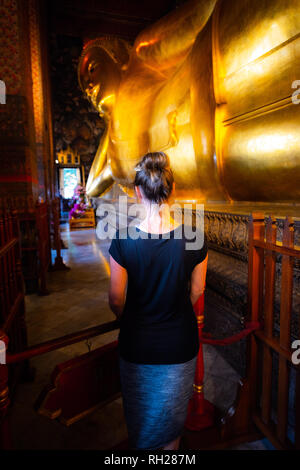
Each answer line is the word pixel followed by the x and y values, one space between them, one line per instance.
pixel 211 84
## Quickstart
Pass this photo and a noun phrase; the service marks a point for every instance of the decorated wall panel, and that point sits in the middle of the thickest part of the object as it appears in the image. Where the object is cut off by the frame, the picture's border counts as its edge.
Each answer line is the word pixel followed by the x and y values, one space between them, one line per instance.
pixel 10 63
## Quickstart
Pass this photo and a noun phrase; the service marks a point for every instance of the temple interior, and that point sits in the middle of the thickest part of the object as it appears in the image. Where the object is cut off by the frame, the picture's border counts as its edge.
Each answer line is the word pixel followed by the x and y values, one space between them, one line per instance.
pixel 87 87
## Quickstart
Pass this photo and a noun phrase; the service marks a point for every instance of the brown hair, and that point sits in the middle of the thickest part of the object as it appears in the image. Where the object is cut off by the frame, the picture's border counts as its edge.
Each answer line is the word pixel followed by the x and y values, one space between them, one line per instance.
pixel 154 175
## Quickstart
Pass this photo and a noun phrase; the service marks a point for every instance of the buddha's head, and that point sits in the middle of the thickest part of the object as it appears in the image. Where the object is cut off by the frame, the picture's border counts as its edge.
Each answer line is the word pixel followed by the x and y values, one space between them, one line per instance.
pixel 100 69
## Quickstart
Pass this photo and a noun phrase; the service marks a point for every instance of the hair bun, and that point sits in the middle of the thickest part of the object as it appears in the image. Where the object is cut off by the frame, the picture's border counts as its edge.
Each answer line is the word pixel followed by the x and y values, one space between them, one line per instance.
pixel 154 176
pixel 157 161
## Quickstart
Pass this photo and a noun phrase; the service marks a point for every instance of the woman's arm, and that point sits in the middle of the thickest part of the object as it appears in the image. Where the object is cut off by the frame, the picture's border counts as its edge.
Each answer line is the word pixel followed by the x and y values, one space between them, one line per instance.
pixel 117 287
pixel 198 280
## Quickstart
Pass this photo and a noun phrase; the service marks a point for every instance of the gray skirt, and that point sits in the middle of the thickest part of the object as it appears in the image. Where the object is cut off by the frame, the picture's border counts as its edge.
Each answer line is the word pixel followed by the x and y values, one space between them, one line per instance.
pixel 155 400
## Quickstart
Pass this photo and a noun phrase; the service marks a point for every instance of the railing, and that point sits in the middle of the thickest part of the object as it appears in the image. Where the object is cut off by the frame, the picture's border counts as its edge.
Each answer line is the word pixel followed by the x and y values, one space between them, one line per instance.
pixel 35 245
pixel 33 351
pixel 263 249
pixel 12 307
pixel 38 225
pixel 62 342
pixel 12 310
pixel 13 331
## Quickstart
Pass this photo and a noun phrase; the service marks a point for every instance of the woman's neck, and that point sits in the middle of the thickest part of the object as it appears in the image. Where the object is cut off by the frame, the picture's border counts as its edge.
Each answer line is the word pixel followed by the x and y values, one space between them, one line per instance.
pixel 158 219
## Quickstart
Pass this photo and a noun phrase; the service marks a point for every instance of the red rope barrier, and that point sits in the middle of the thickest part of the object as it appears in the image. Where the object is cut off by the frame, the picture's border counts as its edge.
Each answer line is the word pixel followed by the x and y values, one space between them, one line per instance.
pixel 249 328
pixel 201 413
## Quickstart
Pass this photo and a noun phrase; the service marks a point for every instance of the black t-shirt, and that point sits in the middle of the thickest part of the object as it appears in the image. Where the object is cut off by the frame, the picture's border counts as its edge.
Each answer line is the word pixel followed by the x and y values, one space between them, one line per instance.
pixel 158 324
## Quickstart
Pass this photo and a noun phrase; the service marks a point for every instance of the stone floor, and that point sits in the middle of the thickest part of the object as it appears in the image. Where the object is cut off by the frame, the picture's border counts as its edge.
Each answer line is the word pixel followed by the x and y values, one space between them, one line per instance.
pixel 78 300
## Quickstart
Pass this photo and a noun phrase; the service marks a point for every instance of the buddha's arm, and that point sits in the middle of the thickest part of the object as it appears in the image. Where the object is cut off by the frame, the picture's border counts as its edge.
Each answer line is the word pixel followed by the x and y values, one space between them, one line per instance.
pixel 165 43
pixel 100 178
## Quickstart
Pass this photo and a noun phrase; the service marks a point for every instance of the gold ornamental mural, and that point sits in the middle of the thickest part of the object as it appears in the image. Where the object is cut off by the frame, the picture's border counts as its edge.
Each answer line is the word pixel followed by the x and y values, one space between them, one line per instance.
pixel 210 84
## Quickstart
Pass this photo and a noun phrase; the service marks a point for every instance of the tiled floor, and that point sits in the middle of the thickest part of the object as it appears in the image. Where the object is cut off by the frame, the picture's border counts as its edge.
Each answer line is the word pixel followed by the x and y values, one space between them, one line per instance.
pixel 78 300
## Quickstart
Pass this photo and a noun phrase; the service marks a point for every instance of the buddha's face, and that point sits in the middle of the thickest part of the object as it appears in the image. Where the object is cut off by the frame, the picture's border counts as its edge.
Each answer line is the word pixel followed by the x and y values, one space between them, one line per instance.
pixel 100 78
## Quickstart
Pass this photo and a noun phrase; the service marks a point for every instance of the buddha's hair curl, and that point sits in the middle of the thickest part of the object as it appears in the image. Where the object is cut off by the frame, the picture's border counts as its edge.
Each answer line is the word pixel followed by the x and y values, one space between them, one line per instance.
pixel 154 175
pixel 118 49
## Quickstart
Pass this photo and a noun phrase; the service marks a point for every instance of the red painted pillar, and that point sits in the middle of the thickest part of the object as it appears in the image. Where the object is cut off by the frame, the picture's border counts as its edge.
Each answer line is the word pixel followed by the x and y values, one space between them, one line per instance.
pixel 200 411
